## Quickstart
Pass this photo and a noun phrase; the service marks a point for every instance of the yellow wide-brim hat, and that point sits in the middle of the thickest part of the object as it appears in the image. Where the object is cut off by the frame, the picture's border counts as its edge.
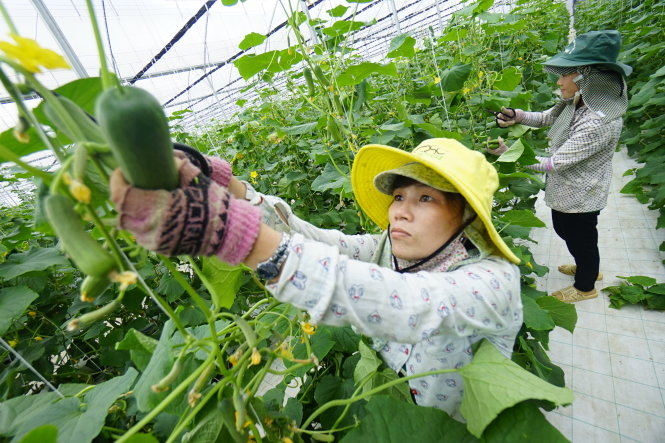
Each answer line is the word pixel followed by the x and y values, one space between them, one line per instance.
pixel 467 170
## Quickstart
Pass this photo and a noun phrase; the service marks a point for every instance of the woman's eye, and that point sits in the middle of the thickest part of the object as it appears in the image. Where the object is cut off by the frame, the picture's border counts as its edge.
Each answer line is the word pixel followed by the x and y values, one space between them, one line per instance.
pixel 426 198
pixel 397 197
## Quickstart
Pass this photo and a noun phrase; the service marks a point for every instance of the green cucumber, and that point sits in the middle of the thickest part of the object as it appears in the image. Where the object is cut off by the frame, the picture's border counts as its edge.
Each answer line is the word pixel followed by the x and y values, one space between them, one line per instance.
pixel 310 82
pixel 134 124
pixel 85 251
pixel 92 287
pixel 87 126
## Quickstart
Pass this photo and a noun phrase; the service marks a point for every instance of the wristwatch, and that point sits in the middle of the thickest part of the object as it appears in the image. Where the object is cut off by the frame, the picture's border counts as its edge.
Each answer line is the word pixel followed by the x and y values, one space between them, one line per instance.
pixel 269 269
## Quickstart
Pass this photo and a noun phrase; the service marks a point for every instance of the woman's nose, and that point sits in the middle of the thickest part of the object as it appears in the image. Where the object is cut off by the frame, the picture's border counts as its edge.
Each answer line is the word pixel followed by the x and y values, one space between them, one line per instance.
pixel 402 211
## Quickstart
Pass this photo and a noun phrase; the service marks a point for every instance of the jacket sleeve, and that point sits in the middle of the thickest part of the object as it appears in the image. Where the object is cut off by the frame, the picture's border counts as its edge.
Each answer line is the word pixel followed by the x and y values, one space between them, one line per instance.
pixel 588 137
pixel 277 214
pixel 481 298
pixel 538 119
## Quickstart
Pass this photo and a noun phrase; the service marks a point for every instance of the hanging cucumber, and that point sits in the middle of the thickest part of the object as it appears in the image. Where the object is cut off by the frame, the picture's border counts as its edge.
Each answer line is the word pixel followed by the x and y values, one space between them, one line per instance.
pixel 85 123
pixel 137 130
pixel 85 251
pixel 310 82
pixel 92 287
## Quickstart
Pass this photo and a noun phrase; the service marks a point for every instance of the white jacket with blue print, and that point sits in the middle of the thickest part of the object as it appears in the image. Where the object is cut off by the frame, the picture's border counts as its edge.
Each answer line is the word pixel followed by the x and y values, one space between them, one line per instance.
pixel 425 320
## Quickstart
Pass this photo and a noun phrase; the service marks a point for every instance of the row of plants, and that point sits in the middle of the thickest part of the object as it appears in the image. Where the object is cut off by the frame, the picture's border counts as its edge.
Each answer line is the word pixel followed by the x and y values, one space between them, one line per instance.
pixel 180 349
pixel 640 24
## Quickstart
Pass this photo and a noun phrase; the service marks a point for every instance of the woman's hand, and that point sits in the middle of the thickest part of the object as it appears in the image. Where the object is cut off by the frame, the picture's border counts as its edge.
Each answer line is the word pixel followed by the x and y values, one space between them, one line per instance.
pixel 200 217
pixel 508 117
pixel 502 147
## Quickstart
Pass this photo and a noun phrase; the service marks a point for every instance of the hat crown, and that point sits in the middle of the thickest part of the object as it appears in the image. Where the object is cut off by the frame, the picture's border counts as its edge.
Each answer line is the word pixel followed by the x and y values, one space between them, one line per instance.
pixel 602 46
pixel 593 48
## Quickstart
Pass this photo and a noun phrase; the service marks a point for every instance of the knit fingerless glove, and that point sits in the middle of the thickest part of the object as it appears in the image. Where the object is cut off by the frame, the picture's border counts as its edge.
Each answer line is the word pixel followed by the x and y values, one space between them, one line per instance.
pixel 198 218
pixel 544 164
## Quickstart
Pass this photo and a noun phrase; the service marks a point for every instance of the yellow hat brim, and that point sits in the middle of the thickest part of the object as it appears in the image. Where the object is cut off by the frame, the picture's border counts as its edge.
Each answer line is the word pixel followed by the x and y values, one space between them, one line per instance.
pixel 374 158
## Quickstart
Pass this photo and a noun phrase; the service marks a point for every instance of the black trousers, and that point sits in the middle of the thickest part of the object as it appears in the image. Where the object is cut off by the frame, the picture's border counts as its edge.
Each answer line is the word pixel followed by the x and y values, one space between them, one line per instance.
pixel 581 236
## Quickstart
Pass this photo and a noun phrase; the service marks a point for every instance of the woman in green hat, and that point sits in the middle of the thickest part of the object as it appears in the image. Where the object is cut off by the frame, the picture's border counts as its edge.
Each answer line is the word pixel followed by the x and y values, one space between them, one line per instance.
pixel 439 279
pixel 585 129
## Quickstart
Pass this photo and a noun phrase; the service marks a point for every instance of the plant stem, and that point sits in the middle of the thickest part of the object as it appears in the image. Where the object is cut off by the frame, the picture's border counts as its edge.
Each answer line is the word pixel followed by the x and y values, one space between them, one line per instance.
pixel 8 19
pixel 7 155
pixel 369 393
pixel 164 403
pixel 108 80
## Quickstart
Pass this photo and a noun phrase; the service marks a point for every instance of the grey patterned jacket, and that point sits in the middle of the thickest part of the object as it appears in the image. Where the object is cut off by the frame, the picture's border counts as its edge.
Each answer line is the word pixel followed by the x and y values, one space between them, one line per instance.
pixel 581 173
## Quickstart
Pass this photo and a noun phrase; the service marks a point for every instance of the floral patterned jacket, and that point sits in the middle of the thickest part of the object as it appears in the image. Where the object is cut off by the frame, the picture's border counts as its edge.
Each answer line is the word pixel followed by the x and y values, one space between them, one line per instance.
pixel 420 321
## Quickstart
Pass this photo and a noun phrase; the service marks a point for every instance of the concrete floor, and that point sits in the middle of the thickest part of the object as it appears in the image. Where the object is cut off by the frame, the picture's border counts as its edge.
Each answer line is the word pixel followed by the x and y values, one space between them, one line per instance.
pixel 615 360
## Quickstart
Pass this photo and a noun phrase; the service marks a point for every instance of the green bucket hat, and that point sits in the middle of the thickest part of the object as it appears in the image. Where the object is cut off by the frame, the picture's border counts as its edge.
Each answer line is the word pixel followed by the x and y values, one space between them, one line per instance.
pixel 592 48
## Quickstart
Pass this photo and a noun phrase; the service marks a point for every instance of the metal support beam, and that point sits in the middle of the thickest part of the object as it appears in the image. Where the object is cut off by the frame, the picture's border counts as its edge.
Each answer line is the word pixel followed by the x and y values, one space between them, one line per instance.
pixel 70 55
pixel 305 9
pixel 393 9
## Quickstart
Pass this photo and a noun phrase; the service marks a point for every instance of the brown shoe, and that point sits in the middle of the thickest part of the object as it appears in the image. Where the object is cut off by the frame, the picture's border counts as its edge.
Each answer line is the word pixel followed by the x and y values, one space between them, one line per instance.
pixel 572 269
pixel 571 294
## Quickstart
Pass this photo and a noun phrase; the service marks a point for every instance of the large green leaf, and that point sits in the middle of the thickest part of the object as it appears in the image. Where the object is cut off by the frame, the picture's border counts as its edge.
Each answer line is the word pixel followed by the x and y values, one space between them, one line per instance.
pixel 493 383
pixel 221 280
pixel 160 364
pixel 252 39
pixel 402 46
pixel 522 217
pixel 250 65
pixel 329 179
pixel 522 423
pixel 140 347
pixel 42 434
pixel 391 421
pixel 536 317
pixel 36 259
pixel 305 128
pixel 77 420
pixel 354 74
pixel 342 27
pixel 510 79
pixel 368 364
pixel 14 301
pixel 453 78
pixel 563 314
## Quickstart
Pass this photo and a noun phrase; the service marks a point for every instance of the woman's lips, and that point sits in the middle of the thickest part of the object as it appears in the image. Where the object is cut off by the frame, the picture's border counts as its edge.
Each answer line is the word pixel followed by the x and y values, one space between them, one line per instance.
pixel 398 233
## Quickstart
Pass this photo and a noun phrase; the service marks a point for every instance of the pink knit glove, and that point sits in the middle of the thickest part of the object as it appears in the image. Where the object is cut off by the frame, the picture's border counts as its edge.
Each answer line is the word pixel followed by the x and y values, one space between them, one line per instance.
pixel 509 116
pixel 198 218
pixel 217 169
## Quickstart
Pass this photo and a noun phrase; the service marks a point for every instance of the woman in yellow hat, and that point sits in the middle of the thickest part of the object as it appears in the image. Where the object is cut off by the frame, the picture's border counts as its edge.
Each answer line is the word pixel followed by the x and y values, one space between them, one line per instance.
pixel 585 129
pixel 438 279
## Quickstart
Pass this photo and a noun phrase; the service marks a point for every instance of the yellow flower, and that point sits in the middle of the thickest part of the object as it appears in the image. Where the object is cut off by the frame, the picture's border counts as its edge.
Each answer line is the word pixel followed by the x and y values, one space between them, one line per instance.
pixel 308 328
pixel 437 79
pixel 38 338
pixel 480 74
pixel 247 422
pixel 253 176
pixel 12 343
pixel 287 440
pixel 32 314
pixel 233 359
pixel 465 91
pixel 79 191
pixel 32 56
pixel 256 357
pixel 22 137
pixel 529 265
pixel 125 279
pixel 285 352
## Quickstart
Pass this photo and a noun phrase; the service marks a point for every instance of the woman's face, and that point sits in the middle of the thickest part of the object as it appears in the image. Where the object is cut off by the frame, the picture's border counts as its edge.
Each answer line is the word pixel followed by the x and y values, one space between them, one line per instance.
pixel 567 86
pixel 421 220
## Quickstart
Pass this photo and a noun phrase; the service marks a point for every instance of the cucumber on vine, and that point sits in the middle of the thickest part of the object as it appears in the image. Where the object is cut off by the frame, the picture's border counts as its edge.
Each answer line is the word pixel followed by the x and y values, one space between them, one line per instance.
pixel 135 126
pixel 85 251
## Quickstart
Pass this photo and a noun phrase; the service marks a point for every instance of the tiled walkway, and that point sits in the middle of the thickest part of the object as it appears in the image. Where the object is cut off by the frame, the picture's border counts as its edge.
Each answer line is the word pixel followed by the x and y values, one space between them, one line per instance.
pixel 615 360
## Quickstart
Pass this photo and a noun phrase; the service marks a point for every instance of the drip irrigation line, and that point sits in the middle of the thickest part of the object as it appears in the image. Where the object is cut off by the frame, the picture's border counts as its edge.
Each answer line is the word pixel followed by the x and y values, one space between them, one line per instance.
pixel 205 8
